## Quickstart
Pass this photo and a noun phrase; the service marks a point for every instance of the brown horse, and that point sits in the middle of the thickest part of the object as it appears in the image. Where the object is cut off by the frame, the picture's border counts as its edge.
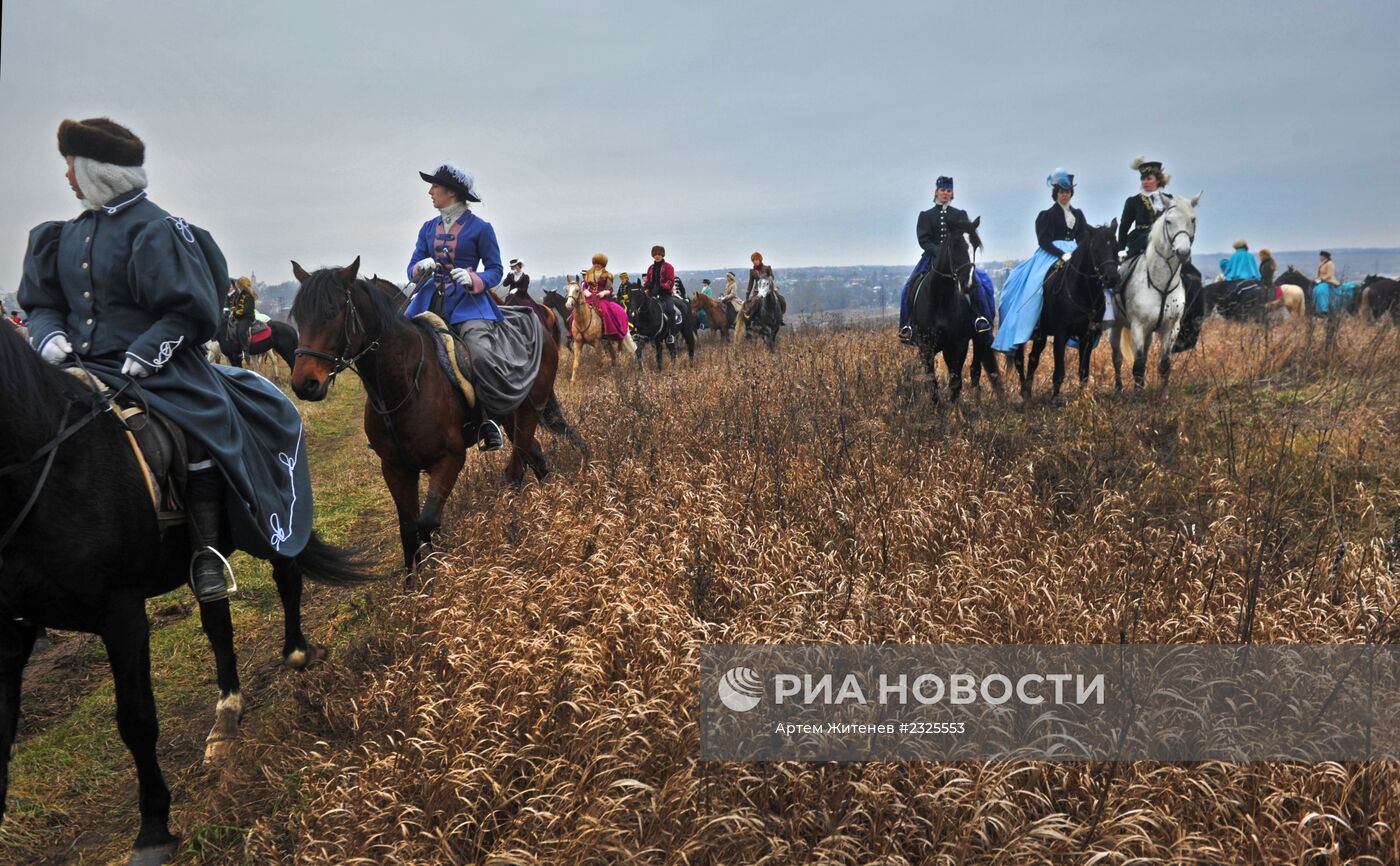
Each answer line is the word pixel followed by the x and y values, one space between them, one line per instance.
pixel 586 328
pixel 415 417
pixel 720 316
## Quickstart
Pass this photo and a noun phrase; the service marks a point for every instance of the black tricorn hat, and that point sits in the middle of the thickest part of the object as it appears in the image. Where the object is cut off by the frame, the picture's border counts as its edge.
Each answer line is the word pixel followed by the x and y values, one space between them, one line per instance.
pixel 455 179
pixel 1145 168
pixel 101 139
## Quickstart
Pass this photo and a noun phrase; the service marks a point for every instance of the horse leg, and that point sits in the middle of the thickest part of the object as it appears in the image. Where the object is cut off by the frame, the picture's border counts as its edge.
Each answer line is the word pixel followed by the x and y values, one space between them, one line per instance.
pixel 578 350
pixel 1115 340
pixel 931 365
pixel 955 356
pixel 442 476
pixel 524 449
pixel 217 622
pixel 16 643
pixel 403 487
pixel 1037 346
pixel 297 651
pixel 126 634
pixel 983 356
pixel 1164 355
pixel 1057 377
pixel 1142 342
pixel 1019 356
pixel 1086 351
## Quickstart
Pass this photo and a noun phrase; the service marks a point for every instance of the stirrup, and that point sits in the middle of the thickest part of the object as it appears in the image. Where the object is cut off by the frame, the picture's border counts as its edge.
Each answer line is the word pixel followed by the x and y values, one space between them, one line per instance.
pixel 230 585
pixel 981 325
pixel 906 334
pixel 486 442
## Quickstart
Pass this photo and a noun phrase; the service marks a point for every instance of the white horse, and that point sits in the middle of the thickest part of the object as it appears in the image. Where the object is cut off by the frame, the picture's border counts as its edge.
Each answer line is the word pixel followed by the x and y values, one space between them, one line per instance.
pixel 1153 298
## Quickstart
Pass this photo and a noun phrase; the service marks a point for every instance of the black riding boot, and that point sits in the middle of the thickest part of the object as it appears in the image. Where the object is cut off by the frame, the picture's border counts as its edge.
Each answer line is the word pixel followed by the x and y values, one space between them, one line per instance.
pixel 211 577
pixel 489 436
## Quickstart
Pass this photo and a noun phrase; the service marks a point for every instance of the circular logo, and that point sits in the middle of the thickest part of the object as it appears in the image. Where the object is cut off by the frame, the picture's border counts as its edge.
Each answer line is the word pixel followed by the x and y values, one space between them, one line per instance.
pixel 740 689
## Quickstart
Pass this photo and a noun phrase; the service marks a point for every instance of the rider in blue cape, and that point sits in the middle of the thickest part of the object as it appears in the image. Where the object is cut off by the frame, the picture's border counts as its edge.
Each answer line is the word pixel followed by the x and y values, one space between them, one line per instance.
pixel 1058 231
pixel 134 293
pixel 454 262
pixel 1241 265
pixel 933 227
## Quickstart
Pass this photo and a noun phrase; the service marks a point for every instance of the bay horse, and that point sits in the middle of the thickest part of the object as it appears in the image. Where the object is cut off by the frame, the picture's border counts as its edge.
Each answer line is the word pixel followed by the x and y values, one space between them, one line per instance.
pixel 659 320
pixel 942 317
pixel 1152 297
pixel 1074 307
pixel 586 329
pixel 721 316
pixel 282 341
pixel 415 417
pixel 81 549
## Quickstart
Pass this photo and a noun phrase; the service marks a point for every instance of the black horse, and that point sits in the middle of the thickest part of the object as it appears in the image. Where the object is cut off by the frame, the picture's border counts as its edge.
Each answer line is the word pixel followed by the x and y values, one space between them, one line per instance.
pixel 556 302
pixel 942 317
pixel 766 315
pixel 283 341
pixel 660 320
pixel 1073 307
pixel 1238 300
pixel 81 549
pixel 1381 295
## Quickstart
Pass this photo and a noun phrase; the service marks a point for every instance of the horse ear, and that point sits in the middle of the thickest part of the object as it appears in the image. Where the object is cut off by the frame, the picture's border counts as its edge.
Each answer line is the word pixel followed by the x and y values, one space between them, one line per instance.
pixel 298 272
pixel 977 222
pixel 1197 198
pixel 1113 226
pixel 348 273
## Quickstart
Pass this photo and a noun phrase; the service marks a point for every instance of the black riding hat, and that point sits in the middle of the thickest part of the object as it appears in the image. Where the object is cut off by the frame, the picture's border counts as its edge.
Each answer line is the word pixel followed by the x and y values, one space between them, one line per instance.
pixel 455 179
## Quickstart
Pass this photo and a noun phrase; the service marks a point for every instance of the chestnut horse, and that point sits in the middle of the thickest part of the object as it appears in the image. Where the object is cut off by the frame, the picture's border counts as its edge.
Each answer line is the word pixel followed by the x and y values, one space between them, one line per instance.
pixel 720 316
pixel 415 417
pixel 586 329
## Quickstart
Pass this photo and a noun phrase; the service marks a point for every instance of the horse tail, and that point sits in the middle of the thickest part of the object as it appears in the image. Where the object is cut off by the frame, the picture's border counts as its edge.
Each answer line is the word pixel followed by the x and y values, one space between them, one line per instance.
pixel 561 331
pixel 328 564
pixel 552 419
pixel 628 343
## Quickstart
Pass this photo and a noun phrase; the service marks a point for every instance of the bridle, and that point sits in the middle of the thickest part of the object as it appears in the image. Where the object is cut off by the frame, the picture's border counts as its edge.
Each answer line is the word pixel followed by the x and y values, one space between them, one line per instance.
pixel 351 324
pixel 1174 266
pixel 1094 271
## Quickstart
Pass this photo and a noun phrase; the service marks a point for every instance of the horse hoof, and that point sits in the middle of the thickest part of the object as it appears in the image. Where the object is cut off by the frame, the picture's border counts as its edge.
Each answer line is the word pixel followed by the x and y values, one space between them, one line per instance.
pixel 300 660
pixel 154 855
pixel 216 751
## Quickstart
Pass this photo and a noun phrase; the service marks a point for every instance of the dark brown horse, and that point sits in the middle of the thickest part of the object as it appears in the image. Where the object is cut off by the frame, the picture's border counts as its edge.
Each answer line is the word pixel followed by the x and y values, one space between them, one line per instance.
pixel 720 318
pixel 415 417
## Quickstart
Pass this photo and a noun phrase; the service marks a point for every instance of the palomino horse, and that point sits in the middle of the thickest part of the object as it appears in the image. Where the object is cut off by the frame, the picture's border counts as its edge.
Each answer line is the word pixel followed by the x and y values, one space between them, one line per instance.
pixel 586 329
pixel 1153 297
pixel 81 549
pixel 942 317
pixel 720 316
pixel 415 417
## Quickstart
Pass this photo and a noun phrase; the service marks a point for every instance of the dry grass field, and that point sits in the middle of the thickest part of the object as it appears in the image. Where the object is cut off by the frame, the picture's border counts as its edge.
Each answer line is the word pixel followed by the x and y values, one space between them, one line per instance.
pixel 535 699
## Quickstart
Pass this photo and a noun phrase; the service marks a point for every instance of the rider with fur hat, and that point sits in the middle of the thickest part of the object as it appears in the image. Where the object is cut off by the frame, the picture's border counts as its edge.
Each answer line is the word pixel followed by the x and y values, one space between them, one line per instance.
pixel 134 292
pixel 455 260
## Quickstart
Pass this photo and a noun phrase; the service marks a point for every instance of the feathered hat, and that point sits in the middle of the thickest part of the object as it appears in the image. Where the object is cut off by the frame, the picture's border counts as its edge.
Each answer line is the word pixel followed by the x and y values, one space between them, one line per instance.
pixel 455 179
pixel 1145 167
pixel 1060 179
pixel 102 140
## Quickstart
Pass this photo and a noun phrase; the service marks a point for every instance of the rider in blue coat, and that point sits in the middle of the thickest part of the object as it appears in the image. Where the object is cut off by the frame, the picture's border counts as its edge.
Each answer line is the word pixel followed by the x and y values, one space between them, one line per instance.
pixel 1241 265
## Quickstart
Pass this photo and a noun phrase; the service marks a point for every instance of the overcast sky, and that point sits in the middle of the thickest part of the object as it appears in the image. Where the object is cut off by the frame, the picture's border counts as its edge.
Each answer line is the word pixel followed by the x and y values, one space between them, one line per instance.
pixel 812 131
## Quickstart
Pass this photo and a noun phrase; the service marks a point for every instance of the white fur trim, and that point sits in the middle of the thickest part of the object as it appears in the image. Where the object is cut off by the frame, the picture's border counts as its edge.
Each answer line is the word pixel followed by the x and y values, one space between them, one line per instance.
pixel 100 182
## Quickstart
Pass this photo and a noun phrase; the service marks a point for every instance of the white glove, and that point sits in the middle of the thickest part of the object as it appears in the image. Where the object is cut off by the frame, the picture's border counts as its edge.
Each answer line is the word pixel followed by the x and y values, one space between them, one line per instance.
pixel 57 349
pixel 462 276
pixel 1065 258
pixel 135 369
pixel 424 266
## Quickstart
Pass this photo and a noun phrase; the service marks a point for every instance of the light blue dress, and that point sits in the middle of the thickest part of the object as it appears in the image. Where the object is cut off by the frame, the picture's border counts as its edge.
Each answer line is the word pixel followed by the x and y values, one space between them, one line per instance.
pixel 1241 266
pixel 1022 296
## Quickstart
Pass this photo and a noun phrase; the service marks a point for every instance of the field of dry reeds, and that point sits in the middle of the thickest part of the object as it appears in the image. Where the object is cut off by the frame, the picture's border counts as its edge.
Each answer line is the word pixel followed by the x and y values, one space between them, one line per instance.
pixel 535 700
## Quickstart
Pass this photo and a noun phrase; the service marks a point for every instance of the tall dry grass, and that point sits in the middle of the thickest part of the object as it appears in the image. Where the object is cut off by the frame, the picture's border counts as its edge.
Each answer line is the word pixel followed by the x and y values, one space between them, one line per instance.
pixel 536 701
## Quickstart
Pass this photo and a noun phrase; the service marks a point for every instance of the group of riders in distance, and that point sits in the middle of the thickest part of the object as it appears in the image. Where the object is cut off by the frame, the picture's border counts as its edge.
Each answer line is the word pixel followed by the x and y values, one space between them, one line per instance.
pixel 129 439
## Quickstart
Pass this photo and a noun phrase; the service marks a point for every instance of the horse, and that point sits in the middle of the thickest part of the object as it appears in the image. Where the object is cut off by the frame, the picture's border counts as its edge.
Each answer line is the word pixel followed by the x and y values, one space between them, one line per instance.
pixel 1151 297
pixel 586 329
pixel 1074 307
pixel 281 340
pixel 560 305
pixel 415 417
pixel 721 316
pixel 555 325
pixel 1380 295
pixel 766 316
pixel 81 549
pixel 1290 297
pixel 1238 300
pixel 942 317
pixel 659 320
pixel 1294 277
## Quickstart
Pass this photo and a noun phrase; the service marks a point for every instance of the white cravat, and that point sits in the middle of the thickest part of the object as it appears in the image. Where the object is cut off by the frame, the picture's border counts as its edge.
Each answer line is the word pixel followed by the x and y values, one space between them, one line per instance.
pixel 1069 217
pixel 451 213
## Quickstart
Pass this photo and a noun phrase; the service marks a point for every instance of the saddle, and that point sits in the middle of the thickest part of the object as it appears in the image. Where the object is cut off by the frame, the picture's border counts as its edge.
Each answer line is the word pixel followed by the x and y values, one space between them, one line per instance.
pixel 159 447
pixel 452 355
pixel 259 332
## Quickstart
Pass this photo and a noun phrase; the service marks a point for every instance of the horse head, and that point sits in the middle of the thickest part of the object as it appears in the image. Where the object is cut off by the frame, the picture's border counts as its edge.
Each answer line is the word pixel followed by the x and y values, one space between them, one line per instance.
pixel 955 256
pixel 1179 225
pixel 332 333
pixel 1103 252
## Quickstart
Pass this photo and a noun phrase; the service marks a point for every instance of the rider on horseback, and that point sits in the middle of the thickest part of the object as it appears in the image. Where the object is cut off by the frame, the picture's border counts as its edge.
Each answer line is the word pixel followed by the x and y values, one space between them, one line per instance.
pixel 242 313
pixel 660 280
pixel 132 293
pixel 757 274
pixel 1140 210
pixel 932 229
pixel 504 343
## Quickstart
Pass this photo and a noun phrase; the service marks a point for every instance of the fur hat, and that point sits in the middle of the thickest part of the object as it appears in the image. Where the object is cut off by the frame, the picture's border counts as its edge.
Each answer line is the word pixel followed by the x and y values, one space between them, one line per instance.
pixel 1144 168
pixel 600 260
pixel 1241 245
pixel 756 257
pixel 658 250
pixel 455 179
pixel 101 140
pixel 943 182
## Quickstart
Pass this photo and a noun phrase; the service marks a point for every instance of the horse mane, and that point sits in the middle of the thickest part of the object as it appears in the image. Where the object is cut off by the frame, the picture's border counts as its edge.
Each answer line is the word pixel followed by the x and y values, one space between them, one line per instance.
pixel 27 400
pixel 321 296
